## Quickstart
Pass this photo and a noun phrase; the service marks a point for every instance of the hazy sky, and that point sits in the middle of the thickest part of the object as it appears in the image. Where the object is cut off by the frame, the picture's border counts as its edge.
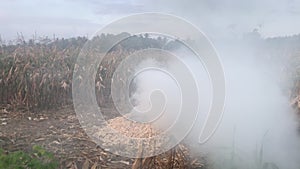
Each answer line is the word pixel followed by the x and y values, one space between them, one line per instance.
pixel 67 18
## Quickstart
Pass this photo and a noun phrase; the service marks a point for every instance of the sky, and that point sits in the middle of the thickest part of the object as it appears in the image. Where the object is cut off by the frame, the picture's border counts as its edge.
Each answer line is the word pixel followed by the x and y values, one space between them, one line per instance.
pixel 69 18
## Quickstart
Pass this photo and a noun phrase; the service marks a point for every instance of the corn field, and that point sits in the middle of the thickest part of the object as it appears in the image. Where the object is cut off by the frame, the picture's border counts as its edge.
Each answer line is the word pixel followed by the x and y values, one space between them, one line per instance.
pixel 37 76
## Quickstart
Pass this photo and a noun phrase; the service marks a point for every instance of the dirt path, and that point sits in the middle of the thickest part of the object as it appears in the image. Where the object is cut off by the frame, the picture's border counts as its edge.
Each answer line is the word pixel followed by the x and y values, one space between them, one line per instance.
pixel 58 132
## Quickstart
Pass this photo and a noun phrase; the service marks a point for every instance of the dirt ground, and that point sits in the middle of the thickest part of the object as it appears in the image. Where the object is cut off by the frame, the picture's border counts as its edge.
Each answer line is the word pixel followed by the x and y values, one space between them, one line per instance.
pixel 59 132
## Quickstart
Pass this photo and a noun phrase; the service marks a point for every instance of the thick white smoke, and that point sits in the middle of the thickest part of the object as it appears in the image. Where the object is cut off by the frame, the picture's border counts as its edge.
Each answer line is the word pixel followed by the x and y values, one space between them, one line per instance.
pixel 259 128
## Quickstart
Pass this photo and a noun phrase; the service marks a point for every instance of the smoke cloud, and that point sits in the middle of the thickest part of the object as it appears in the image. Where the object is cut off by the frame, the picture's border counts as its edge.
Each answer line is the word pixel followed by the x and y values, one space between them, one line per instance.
pixel 258 129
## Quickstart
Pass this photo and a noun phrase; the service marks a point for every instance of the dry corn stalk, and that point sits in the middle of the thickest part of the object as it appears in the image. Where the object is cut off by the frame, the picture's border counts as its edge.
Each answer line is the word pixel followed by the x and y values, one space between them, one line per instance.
pixel 174 158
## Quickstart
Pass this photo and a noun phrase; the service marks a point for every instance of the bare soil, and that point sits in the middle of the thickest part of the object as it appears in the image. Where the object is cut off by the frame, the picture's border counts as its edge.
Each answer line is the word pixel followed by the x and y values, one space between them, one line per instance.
pixel 59 132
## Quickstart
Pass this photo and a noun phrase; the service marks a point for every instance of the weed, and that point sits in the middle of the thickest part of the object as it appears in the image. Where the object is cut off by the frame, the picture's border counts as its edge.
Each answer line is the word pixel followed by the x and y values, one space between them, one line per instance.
pixel 39 158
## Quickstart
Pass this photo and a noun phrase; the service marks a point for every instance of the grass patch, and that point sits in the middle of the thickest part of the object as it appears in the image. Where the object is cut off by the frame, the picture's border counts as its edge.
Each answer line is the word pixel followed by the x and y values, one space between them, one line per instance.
pixel 38 158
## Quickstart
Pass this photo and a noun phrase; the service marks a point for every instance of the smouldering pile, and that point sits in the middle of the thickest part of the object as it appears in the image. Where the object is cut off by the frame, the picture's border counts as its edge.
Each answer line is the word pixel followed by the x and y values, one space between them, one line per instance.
pixel 122 134
pixel 132 129
pixel 178 157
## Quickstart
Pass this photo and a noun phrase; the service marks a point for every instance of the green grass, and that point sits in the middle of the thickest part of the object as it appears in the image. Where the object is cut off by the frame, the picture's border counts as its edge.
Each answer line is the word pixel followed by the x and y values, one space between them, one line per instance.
pixel 39 158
